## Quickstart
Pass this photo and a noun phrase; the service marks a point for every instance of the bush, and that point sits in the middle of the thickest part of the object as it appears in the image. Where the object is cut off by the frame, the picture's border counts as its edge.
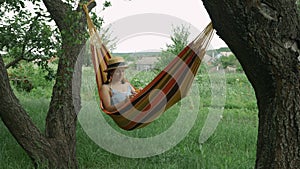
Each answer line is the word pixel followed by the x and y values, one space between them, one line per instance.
pixel 28 77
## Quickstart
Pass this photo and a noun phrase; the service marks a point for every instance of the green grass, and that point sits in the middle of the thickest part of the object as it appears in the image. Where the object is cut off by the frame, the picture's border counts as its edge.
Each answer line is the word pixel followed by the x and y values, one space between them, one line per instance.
pixel 232 145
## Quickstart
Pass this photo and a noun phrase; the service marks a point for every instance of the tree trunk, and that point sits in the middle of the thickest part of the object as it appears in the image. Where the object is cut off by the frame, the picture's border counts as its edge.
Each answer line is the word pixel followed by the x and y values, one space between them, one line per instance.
pixel 57 147
pixel 265 37
pixel 57 150
pixel 19 123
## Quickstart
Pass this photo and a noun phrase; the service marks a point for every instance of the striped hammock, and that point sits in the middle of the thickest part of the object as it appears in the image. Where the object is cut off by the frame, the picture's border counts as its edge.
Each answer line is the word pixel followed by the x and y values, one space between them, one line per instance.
pixel 167 88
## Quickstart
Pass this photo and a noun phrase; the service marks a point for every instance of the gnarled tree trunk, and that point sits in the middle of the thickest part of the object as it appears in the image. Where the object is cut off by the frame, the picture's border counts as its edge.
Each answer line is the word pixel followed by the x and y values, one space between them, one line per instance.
pixel 57 147
pixel 265 37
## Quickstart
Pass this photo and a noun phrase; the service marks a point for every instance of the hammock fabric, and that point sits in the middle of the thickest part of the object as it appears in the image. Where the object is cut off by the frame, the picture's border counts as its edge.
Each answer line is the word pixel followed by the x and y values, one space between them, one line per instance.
pixel 166 89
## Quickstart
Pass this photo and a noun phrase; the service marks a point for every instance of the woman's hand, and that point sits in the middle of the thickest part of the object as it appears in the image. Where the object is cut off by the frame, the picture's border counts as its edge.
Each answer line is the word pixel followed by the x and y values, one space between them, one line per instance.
pixel 131 96
pixel 127 99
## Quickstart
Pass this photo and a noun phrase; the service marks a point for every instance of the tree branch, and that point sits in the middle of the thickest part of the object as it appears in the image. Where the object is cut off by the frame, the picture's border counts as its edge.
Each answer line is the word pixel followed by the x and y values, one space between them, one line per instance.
pixel 57 10
pixel 90 6
pixel 25 42
pixel 14 62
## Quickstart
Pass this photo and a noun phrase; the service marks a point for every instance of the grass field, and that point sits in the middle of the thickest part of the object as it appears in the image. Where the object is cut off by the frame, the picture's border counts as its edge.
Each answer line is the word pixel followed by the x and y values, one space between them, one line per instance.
pixel 232 145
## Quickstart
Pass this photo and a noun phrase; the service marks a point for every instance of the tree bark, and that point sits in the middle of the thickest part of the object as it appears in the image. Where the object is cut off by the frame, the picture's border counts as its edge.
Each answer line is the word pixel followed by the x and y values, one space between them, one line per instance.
pixel 265 37
pixel 62 115
pixel 57 147
pixel 37 146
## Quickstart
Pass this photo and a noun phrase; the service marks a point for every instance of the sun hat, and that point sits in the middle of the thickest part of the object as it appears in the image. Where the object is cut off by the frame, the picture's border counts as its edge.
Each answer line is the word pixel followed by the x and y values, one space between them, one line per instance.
pixel 116 62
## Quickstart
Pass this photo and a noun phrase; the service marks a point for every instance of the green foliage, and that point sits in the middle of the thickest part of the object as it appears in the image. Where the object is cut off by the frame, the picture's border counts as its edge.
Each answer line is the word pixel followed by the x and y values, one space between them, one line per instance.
pixel 31 34
pixel 106 4
pixel 28 35
pixel 72 36
pixel 28 77
pixel 229 61
pixel 10 6
pixel 223 49
pixel 142 78
pixel 164 59
pixel 179 38
pixel 179 42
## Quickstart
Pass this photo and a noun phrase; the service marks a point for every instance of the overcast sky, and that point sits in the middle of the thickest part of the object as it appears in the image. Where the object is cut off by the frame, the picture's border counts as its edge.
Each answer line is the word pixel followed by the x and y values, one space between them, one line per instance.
pixel 142 25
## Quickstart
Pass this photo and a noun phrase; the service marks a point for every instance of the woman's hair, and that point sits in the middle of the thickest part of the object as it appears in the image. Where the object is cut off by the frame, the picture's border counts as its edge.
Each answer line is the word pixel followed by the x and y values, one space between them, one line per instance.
pixel 109 76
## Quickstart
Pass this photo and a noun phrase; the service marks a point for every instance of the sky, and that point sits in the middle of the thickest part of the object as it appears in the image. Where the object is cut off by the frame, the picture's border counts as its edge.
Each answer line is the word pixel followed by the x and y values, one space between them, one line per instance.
pixel 146 25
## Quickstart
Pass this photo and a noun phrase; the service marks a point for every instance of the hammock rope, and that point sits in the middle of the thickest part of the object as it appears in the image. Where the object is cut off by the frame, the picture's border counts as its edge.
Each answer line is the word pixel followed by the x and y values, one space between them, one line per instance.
pixel 166 89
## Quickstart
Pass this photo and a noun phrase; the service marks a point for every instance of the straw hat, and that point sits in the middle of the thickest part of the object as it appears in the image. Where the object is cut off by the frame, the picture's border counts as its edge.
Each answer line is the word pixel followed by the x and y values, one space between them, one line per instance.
pixel 116 62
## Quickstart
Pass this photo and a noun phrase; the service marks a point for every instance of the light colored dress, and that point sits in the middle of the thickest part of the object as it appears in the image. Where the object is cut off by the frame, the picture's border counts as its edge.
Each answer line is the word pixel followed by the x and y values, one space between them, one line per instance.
pixel 117 97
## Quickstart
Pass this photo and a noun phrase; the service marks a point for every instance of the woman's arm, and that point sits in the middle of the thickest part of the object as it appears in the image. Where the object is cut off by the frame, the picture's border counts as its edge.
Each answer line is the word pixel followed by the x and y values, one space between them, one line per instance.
pixel 106 99
pixel 132 89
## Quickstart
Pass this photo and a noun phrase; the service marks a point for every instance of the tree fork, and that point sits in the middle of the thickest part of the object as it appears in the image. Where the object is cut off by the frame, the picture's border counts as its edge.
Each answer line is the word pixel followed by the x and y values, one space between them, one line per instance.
pixel 56 149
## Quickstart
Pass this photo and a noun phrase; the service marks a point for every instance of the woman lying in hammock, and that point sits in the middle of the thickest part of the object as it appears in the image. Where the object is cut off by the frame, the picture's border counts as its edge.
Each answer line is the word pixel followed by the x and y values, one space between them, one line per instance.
pixel 117 90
